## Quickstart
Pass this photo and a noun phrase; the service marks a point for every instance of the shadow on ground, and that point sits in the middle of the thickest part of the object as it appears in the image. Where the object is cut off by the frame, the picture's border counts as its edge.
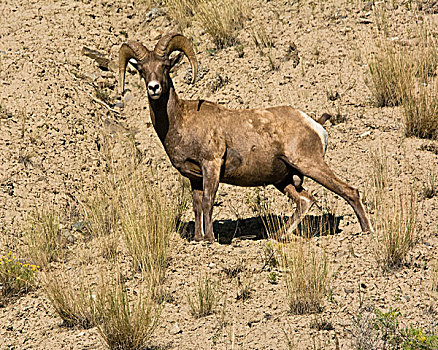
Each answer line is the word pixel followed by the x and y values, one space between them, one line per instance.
pixel 255 228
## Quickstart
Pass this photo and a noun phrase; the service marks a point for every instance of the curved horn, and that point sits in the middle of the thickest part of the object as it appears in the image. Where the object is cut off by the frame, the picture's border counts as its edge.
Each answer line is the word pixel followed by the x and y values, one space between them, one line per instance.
pixel 131 49
pixel 177 42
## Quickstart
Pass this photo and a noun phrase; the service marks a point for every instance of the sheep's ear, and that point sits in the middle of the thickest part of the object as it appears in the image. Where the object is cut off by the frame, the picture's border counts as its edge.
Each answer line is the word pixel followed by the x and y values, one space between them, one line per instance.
pixel 176 59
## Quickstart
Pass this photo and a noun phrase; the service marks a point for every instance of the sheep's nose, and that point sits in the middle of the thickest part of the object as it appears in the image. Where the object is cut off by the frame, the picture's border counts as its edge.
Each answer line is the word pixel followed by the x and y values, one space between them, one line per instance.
pixel 154 89
pixel 153 86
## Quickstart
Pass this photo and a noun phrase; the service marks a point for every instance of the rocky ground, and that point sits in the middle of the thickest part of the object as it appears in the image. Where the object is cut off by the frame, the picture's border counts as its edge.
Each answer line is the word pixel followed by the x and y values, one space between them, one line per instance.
pixel 52 126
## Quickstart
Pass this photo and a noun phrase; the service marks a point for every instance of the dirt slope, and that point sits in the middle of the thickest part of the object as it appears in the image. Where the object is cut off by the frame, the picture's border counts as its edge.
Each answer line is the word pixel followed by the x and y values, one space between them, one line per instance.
pixel 51 131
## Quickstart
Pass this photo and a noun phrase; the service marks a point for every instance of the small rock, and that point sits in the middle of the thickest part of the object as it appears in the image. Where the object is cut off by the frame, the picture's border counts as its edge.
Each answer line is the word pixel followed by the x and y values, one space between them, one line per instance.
pixel 366 133
pixel 176 329
pixel 407 298
pixel 80 226
pixel 155 34
pixel 68 236
pixel 154 13
pixel 128 97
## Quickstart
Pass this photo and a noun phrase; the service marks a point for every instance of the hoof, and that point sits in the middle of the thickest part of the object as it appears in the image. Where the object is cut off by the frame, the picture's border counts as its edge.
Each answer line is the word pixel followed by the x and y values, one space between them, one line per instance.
pixel 198 238
pixel 209 239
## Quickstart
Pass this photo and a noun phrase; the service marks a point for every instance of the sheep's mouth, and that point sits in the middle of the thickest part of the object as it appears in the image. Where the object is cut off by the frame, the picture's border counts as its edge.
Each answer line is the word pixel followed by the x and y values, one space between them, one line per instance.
pixel 154 96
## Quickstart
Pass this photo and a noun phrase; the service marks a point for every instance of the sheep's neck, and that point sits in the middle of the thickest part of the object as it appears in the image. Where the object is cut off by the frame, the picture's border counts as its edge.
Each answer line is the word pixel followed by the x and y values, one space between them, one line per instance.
pixel 164 111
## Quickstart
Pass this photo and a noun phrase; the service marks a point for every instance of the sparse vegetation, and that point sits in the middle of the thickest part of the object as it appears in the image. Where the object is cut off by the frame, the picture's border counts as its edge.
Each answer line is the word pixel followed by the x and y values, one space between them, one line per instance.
pixel 430 185
pixel 219 18
pixel 182 11
pixel 269 255
pixel 43 237
pixel 391 74
pixel 234 271
pixel 273 277
pixel 384 330
pixel 434 277
pixel 71 298
pixel 205 299
pixel 420 108
pixel 245 287
pixel 400 77
pixel 395 225
pixel 306 275
pixel 102 218
pixel 16 277
pixel 147 224
pixel 127 318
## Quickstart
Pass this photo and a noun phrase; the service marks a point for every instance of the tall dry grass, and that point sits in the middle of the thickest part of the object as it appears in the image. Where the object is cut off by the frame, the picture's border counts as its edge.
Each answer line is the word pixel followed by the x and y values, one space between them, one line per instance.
pixel 182 12
pixel 70 296
pixel 399 75
pixel 420 110
pixel 130 206
pixel 395 212
pixel 305 268
pixel 306 275
pixel 221 19
pixel 391 73
pixel 395 224
pixel 149 219
pixel 43 237
pixel 127 318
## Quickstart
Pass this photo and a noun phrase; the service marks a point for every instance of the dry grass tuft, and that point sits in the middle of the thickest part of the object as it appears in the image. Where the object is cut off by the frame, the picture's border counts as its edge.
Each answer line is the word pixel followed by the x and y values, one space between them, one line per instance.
pixel 430 185
pixel 395 225
pixel 182 11
pixel 205 300
pixel 222 19
pixel 70 297
pixel 127 318
pixel 398 76
pixel 102 216
pixel 147 222
pixel 420 107
pixel 219 18
pixel 395 212
pixel 43 238
pixel 306 275
pixel 391 74
pixel 434 277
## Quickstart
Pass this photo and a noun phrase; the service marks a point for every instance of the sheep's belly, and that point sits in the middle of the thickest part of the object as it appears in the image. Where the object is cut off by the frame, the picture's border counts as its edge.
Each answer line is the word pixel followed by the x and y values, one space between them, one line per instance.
pixel 255 172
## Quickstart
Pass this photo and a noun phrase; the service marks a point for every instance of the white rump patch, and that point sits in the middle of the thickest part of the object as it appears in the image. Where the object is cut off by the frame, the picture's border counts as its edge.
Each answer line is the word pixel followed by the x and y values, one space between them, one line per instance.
pixel 319 129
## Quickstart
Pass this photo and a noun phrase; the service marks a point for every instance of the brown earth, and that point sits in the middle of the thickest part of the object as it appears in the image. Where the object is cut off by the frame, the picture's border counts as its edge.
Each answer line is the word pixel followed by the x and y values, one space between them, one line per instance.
pixel 51 127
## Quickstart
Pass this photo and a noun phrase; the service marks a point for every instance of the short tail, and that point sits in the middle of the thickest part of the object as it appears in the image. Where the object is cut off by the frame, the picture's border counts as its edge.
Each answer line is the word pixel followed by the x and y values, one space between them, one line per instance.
pixel 324 118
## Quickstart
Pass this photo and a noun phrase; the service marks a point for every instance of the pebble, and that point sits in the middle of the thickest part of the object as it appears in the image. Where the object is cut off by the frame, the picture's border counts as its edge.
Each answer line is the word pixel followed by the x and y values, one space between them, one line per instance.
pixel 176 329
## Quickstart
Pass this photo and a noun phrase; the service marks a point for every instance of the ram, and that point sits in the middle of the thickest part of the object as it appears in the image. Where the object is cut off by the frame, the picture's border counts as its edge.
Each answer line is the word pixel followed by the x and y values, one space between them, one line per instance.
pixel 210 144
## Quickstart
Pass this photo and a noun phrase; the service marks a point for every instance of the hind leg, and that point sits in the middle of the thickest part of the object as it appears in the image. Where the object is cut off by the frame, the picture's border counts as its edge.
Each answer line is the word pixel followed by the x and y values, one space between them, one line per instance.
pixel 303 199
pixel 321 173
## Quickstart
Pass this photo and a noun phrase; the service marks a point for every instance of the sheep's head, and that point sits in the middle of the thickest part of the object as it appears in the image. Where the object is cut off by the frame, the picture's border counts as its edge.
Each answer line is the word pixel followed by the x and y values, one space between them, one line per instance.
pixel 154 66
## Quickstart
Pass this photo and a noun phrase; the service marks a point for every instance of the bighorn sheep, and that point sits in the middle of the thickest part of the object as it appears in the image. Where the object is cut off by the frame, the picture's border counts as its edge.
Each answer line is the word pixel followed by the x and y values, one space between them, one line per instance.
pixel 209 143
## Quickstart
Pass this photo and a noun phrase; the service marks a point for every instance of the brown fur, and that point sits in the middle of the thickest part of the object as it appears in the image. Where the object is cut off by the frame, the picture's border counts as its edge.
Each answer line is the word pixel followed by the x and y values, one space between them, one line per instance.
pixel 209 143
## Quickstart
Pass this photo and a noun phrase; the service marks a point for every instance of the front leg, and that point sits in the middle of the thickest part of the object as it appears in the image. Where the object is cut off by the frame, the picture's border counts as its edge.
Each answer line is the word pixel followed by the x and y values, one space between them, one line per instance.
pixel 210 174
pixel 197 207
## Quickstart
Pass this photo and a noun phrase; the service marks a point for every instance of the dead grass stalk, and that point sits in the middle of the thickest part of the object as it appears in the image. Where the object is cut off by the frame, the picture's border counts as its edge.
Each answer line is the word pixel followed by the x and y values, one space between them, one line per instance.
pixel 43 237
pixel 126 321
